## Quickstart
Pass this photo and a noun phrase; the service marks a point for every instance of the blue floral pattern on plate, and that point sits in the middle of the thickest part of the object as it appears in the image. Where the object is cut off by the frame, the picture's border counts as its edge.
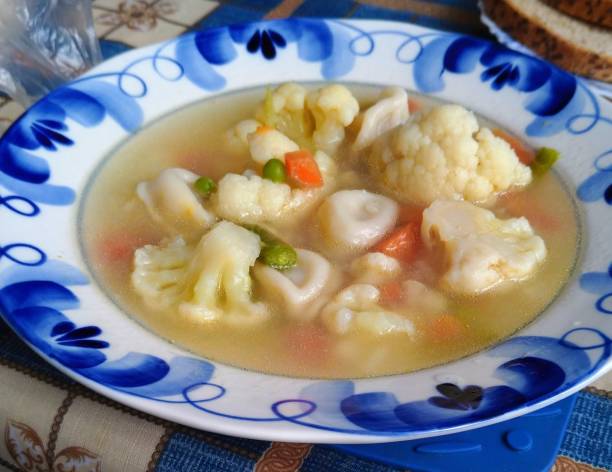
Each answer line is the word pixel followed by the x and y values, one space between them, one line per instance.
pixel 39 294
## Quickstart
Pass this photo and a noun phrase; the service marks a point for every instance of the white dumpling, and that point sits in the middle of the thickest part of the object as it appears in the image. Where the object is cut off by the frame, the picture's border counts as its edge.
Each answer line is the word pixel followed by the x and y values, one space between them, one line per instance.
pixel 302 290
pixel 356 308
pixel 172 202
pixel 354 220
pixel 389 111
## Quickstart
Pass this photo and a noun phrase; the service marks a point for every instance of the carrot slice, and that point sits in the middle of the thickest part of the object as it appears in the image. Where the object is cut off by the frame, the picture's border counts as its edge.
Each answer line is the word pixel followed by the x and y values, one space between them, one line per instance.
pixel 403 243
pixel 414 105
pixel 390 293
pixel 302 169
pixel 525 154
pixel 408 213
pixel 445 328
pixel 119 247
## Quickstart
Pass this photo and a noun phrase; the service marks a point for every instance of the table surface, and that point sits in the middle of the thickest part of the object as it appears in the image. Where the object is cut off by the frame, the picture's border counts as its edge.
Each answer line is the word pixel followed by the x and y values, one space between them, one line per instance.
pixel 52 423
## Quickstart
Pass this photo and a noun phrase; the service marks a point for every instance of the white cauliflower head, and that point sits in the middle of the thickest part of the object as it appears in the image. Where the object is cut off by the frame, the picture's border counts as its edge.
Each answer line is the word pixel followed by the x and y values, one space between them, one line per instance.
pixel 267 143
pixel 333 108
pixel 284 109
pixel 172 202
pixel 206 283
pixel 356 308
pixel 354 220
pixel 302 290
pixel 442 154
pixel 389 111
pixel 237 136
pixel 252 199
pixel 419 298
pixel 481 249
pixel 375 268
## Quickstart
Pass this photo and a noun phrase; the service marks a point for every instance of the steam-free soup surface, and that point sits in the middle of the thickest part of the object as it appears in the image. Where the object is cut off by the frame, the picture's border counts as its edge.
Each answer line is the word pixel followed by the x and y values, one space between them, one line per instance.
pixel 115 223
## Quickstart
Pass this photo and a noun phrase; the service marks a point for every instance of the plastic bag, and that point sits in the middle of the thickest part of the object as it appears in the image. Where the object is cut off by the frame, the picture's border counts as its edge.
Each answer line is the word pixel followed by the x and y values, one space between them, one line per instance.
pixel 44 43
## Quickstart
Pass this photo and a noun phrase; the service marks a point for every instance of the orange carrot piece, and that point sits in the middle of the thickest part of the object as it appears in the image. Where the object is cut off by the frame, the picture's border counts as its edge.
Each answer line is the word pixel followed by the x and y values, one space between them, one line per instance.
pixel 390 293
pixel 263 129
pixel 119 247
pixel 307 342
pixel 414 105
pixel 408 213
pixel 403 243
pixel 525 154
pixel 302 170
pixel 445 328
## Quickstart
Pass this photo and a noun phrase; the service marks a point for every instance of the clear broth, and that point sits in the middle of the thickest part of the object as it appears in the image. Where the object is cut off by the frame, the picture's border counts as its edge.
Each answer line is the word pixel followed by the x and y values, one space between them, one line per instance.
pixel 192 138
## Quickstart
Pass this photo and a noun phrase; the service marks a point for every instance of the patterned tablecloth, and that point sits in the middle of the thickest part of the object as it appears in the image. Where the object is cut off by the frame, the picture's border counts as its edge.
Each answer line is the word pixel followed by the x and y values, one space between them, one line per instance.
pixel 51 423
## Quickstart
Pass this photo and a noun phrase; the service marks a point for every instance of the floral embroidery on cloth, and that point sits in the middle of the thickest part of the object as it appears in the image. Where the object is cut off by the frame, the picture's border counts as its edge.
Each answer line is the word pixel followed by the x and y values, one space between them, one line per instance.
pixel 28 451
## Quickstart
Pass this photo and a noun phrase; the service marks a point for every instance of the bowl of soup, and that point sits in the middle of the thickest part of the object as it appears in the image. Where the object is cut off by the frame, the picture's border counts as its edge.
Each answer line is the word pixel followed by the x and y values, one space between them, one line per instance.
pixel 315 230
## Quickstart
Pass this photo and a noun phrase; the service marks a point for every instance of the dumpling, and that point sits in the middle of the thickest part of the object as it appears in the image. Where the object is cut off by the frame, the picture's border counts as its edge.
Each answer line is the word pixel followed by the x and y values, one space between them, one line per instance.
pixel 389 111
pixel 354 220
pixel 172 202
pixel 302 290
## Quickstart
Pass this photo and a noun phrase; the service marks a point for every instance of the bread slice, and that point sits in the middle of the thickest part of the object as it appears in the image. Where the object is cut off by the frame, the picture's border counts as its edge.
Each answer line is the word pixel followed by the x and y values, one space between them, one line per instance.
pixel 598 12
pixel 570 43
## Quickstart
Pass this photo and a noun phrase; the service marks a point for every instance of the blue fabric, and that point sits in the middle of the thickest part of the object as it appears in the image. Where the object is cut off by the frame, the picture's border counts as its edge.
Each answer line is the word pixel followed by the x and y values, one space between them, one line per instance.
pixel 325 8
pixel 590 424
pixel 186 453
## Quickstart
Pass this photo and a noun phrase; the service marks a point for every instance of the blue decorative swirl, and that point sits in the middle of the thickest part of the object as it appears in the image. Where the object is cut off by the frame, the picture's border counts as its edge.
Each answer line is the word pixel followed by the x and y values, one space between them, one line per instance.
pixel 27 208
pixel 39 256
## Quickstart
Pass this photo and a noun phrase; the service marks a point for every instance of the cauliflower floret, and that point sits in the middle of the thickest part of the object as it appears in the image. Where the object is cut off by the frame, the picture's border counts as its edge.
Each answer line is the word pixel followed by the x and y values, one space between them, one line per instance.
pixel 356 308
pixel 442 154
pixel 284 109
pixel 389 111
pixel 333 108
pixel 236 137
pixel 159 272
pixel 303 289
pixel 481 250
pixel 206 283
pixel 419 298
pixel 354 220
pixel 251 199
pixel 267 143
pixel 375 268
pixel 172 202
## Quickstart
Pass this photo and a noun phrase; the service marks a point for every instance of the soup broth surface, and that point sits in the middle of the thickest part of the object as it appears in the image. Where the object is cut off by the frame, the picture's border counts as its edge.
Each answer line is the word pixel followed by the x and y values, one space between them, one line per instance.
pixel 114 223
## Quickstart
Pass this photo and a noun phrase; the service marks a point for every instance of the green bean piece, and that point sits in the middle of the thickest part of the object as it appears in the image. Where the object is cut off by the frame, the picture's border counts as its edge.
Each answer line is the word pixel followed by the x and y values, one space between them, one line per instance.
pixel 205 186
pixel 544 160
pixel 274 170
pixel 278 256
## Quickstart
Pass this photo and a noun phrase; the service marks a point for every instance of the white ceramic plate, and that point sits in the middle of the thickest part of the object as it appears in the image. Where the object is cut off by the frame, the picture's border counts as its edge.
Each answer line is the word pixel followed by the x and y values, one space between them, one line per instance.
pixel 47 295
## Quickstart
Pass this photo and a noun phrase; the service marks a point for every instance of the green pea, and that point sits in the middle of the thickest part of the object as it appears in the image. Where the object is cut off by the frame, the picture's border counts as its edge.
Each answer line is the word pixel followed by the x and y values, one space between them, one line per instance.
pixel 544 160
pixel 265 236
pixel 205 186
pixel 274 170
pixel 278 256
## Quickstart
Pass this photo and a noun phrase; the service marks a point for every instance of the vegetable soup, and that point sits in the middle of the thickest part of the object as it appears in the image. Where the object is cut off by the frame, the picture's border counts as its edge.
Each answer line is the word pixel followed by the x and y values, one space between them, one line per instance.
pixel 329 231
